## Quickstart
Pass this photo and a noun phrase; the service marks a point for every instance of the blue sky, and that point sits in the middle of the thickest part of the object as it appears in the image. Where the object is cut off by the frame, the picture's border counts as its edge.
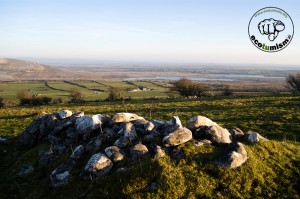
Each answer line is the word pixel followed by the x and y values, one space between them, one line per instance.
pixel 193 31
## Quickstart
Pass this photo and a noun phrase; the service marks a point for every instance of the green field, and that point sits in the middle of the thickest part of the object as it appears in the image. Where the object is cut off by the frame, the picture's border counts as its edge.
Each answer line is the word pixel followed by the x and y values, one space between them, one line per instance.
pixel 92 90
pixel 272 170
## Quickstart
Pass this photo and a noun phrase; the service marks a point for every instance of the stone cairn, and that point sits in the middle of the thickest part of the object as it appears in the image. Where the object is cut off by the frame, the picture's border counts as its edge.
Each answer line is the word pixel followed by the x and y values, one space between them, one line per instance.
pixel 132 136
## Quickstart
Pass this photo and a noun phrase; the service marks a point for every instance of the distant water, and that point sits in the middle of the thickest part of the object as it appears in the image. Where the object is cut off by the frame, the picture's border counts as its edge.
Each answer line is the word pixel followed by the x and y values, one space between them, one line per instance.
pixel 214 77
pixel 177 78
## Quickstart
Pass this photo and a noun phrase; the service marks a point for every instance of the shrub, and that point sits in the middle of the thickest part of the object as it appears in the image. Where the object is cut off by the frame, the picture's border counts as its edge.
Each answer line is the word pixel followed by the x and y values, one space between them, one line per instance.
pixel 44 100
pixel 188 88
pixel 76 95
pixel 1 103
pixel 115 93
pixel 293 82
pixel 26 98
pixel 57 101
pixel 227 91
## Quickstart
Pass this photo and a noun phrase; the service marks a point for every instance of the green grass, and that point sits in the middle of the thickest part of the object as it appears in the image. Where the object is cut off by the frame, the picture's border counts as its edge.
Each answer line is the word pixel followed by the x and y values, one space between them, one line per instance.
pixel 272 170
pixel 60 89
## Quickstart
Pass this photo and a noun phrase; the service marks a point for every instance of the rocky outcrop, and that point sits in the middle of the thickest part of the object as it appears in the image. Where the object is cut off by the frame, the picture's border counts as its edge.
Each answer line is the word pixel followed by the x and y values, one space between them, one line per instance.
pixel 25 169
pixel 199 121
pixel 234 156
pixel 64 114
pixel 138 150
pixel 87 124
pixel 108 141
pixel 62 174
pixel 98 165
pixel 179 136
pixel 38 130
pixel 114 153
pixel 78 152
pixel 218 135
pixel 94 145
pixel 253 137
pixel 124 117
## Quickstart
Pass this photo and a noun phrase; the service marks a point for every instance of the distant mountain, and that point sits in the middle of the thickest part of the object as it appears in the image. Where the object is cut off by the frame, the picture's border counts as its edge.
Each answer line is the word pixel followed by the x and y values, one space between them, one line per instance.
pixel 14 69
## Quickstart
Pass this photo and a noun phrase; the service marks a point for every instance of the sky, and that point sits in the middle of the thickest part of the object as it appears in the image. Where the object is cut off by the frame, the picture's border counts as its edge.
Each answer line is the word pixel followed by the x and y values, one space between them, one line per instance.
pixel 177 31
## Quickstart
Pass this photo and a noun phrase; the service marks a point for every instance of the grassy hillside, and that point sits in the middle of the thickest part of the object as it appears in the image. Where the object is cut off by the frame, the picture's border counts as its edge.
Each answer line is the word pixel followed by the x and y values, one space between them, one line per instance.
pixel 272 170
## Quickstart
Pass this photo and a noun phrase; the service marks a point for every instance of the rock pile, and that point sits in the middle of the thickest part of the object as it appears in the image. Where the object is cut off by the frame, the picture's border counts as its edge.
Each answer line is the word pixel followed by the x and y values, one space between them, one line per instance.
pixel 130 136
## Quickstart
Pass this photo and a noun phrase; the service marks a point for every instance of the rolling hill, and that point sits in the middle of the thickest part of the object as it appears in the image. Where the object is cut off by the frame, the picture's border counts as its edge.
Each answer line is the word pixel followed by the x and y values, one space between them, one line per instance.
pixel 14 69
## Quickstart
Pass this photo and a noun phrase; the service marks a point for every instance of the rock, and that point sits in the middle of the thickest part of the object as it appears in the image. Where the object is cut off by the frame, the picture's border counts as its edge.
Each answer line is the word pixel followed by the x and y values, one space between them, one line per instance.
pixel 171 126
pixel 125 117
pixel 71 133
pixel 218 135
pixel 177 155
pixel 58 149
pixel 199 121
pixel 152 187
pixel 149 138
pixel 114 153
pixel 98 165
pixel 236 133
pixel 94 145
pixel 158 124
pixel 64 114
pixel 204 142
pixel 4 140
pixel 129 132
pixel 158 151
pixel 234 156
pixel 78 114
pixel 152 137
pixel 121 142
pixel 47 158
pixel 199 133
pixel 140 123
pixel 87 124
pixel 179 136
pixel 25 169
pixel 38 130
pixel 53 140
pixel 78 152
pixel 253 137
pixel 61 127
pixel 141 131
pixel 61 175
pixel 109 133
pixel 175 121
pixel 117 127
pixel 149 126
pixel 71 136
pixel 138 150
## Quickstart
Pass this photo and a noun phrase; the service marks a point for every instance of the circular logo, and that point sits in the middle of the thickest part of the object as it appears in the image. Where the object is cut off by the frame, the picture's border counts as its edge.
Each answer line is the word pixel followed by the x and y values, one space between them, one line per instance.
pixel 271 29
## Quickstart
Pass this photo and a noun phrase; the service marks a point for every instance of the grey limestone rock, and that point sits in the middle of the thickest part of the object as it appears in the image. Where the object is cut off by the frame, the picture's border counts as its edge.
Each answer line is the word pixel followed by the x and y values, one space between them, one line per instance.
pixel 98 165
pixel 218 135
pixel 138 150
pixel 114 153
pixel 63 114
pixel 94 145
pixel 78 152
pixel 179 136
pixel 234 156
pixel 61 175
pixel 25 169
pixel 125 117
pixel 199 121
